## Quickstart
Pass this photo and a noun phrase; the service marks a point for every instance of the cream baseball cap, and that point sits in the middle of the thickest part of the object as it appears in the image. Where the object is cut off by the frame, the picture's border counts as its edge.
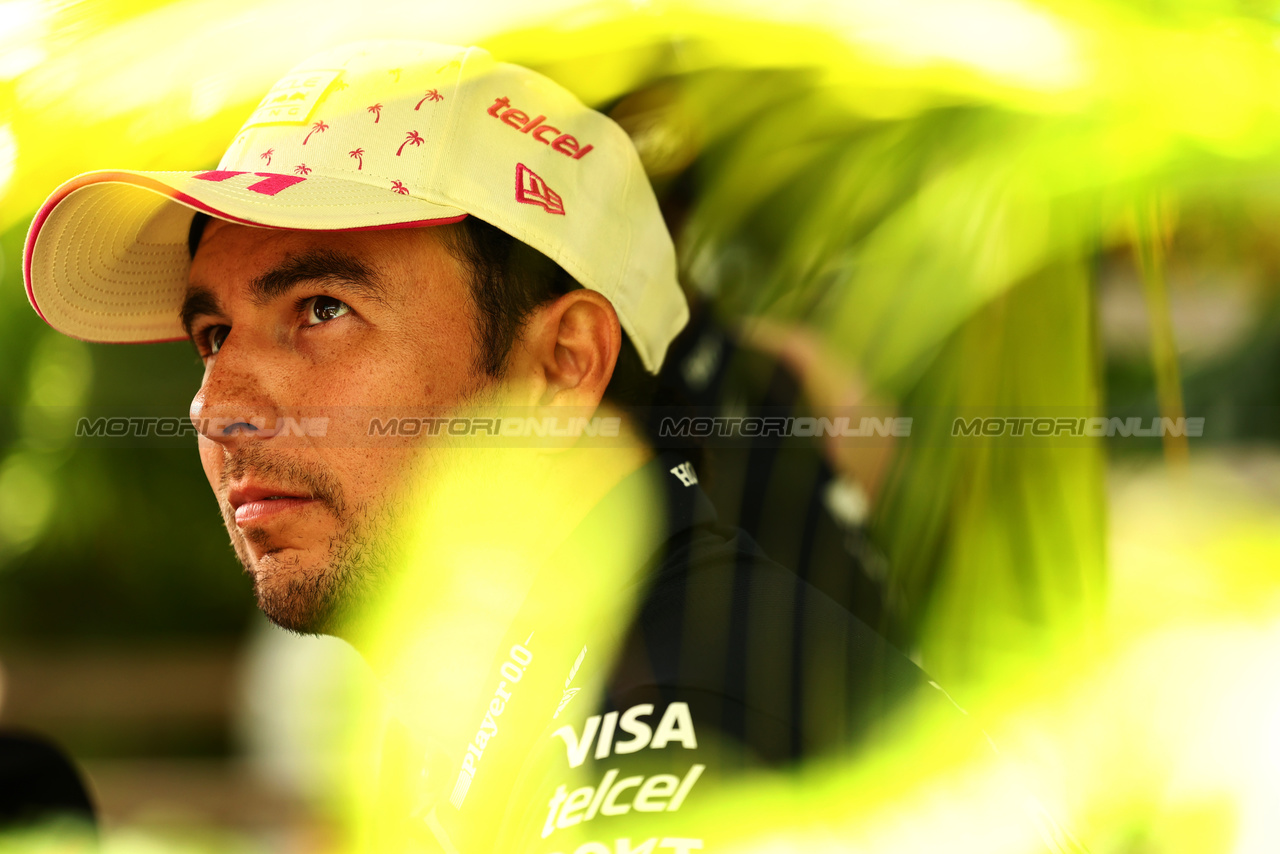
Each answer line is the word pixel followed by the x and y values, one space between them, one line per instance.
pixel 387 134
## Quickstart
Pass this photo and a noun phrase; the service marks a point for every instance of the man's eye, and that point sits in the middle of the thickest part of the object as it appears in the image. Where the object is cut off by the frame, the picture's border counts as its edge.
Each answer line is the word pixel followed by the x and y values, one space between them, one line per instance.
pixel 323 309
pixel 215 337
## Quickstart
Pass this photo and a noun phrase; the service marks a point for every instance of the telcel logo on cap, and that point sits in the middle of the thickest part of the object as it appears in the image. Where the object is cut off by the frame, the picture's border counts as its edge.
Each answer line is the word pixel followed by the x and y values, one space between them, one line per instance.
pixel 564 143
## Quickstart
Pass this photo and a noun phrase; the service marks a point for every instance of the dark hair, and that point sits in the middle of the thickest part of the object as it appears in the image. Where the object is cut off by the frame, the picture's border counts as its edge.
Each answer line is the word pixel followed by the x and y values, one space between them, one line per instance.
pixel 509 279
pixel 196 231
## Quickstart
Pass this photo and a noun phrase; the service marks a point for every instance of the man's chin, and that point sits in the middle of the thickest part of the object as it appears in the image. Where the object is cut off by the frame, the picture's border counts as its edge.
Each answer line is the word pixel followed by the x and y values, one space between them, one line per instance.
pixel 310 593
pixel 320 580
pixel 306 600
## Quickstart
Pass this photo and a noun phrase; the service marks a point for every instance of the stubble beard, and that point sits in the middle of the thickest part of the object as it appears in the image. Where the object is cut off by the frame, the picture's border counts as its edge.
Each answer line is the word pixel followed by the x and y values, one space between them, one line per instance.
pixel 367 544
pixel 336 589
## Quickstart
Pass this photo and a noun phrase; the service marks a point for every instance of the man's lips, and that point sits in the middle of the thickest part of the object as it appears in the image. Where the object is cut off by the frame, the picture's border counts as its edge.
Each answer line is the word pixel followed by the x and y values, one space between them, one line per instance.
pixel 256 503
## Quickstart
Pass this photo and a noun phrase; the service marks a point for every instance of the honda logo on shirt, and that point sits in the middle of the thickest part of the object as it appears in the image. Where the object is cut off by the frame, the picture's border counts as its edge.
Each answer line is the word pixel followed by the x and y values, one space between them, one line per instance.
pixel 532 190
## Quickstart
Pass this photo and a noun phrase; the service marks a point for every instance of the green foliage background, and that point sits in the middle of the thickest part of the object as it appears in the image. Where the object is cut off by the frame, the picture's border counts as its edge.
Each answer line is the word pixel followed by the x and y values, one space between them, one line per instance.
pixel 941 210
pixel 131 547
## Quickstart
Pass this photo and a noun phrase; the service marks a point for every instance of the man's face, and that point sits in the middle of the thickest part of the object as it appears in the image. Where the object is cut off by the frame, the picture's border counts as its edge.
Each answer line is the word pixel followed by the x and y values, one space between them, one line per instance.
pixel 349 326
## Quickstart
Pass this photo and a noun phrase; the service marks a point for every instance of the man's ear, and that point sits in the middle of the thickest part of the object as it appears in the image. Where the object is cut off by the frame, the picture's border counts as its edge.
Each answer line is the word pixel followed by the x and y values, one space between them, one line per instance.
pixel 568 350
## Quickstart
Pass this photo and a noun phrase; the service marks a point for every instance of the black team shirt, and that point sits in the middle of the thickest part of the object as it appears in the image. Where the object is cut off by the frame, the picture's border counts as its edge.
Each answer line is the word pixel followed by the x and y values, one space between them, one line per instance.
pixel 719 662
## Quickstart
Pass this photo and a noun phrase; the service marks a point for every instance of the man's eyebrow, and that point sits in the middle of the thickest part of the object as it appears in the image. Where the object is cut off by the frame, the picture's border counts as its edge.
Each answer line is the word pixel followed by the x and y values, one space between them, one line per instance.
pixel 198 301
pixel 323 266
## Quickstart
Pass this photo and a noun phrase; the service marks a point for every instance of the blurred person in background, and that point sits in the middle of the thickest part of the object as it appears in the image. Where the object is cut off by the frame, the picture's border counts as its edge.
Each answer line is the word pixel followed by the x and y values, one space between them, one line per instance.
pixel 402 234
pixel 40 787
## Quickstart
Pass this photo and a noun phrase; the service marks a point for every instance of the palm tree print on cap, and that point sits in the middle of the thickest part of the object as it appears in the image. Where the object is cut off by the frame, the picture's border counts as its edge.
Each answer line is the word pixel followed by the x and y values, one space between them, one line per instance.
pixel 266 155
pixel 358 154
pixel 432 95
pixel 302 169
pixel 400 188
pixel 412 137
pixel 376 109
pixel 396 72
pixel 316 127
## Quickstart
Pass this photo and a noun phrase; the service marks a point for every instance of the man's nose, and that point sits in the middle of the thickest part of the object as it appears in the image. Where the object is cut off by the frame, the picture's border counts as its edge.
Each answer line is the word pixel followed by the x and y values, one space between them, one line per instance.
pixel 232 404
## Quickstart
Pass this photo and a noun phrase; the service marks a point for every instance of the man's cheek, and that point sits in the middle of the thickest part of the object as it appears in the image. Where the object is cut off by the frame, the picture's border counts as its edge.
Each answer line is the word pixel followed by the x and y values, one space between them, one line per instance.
pixel 210 461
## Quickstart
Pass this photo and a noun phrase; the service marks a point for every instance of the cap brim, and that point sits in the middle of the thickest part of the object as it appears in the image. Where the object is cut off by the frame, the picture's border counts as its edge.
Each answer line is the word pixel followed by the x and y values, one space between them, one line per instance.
pixel 107 259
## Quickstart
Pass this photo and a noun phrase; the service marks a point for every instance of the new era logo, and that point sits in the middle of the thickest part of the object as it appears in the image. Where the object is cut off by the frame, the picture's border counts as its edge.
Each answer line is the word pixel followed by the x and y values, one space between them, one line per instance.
pixel 532 190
